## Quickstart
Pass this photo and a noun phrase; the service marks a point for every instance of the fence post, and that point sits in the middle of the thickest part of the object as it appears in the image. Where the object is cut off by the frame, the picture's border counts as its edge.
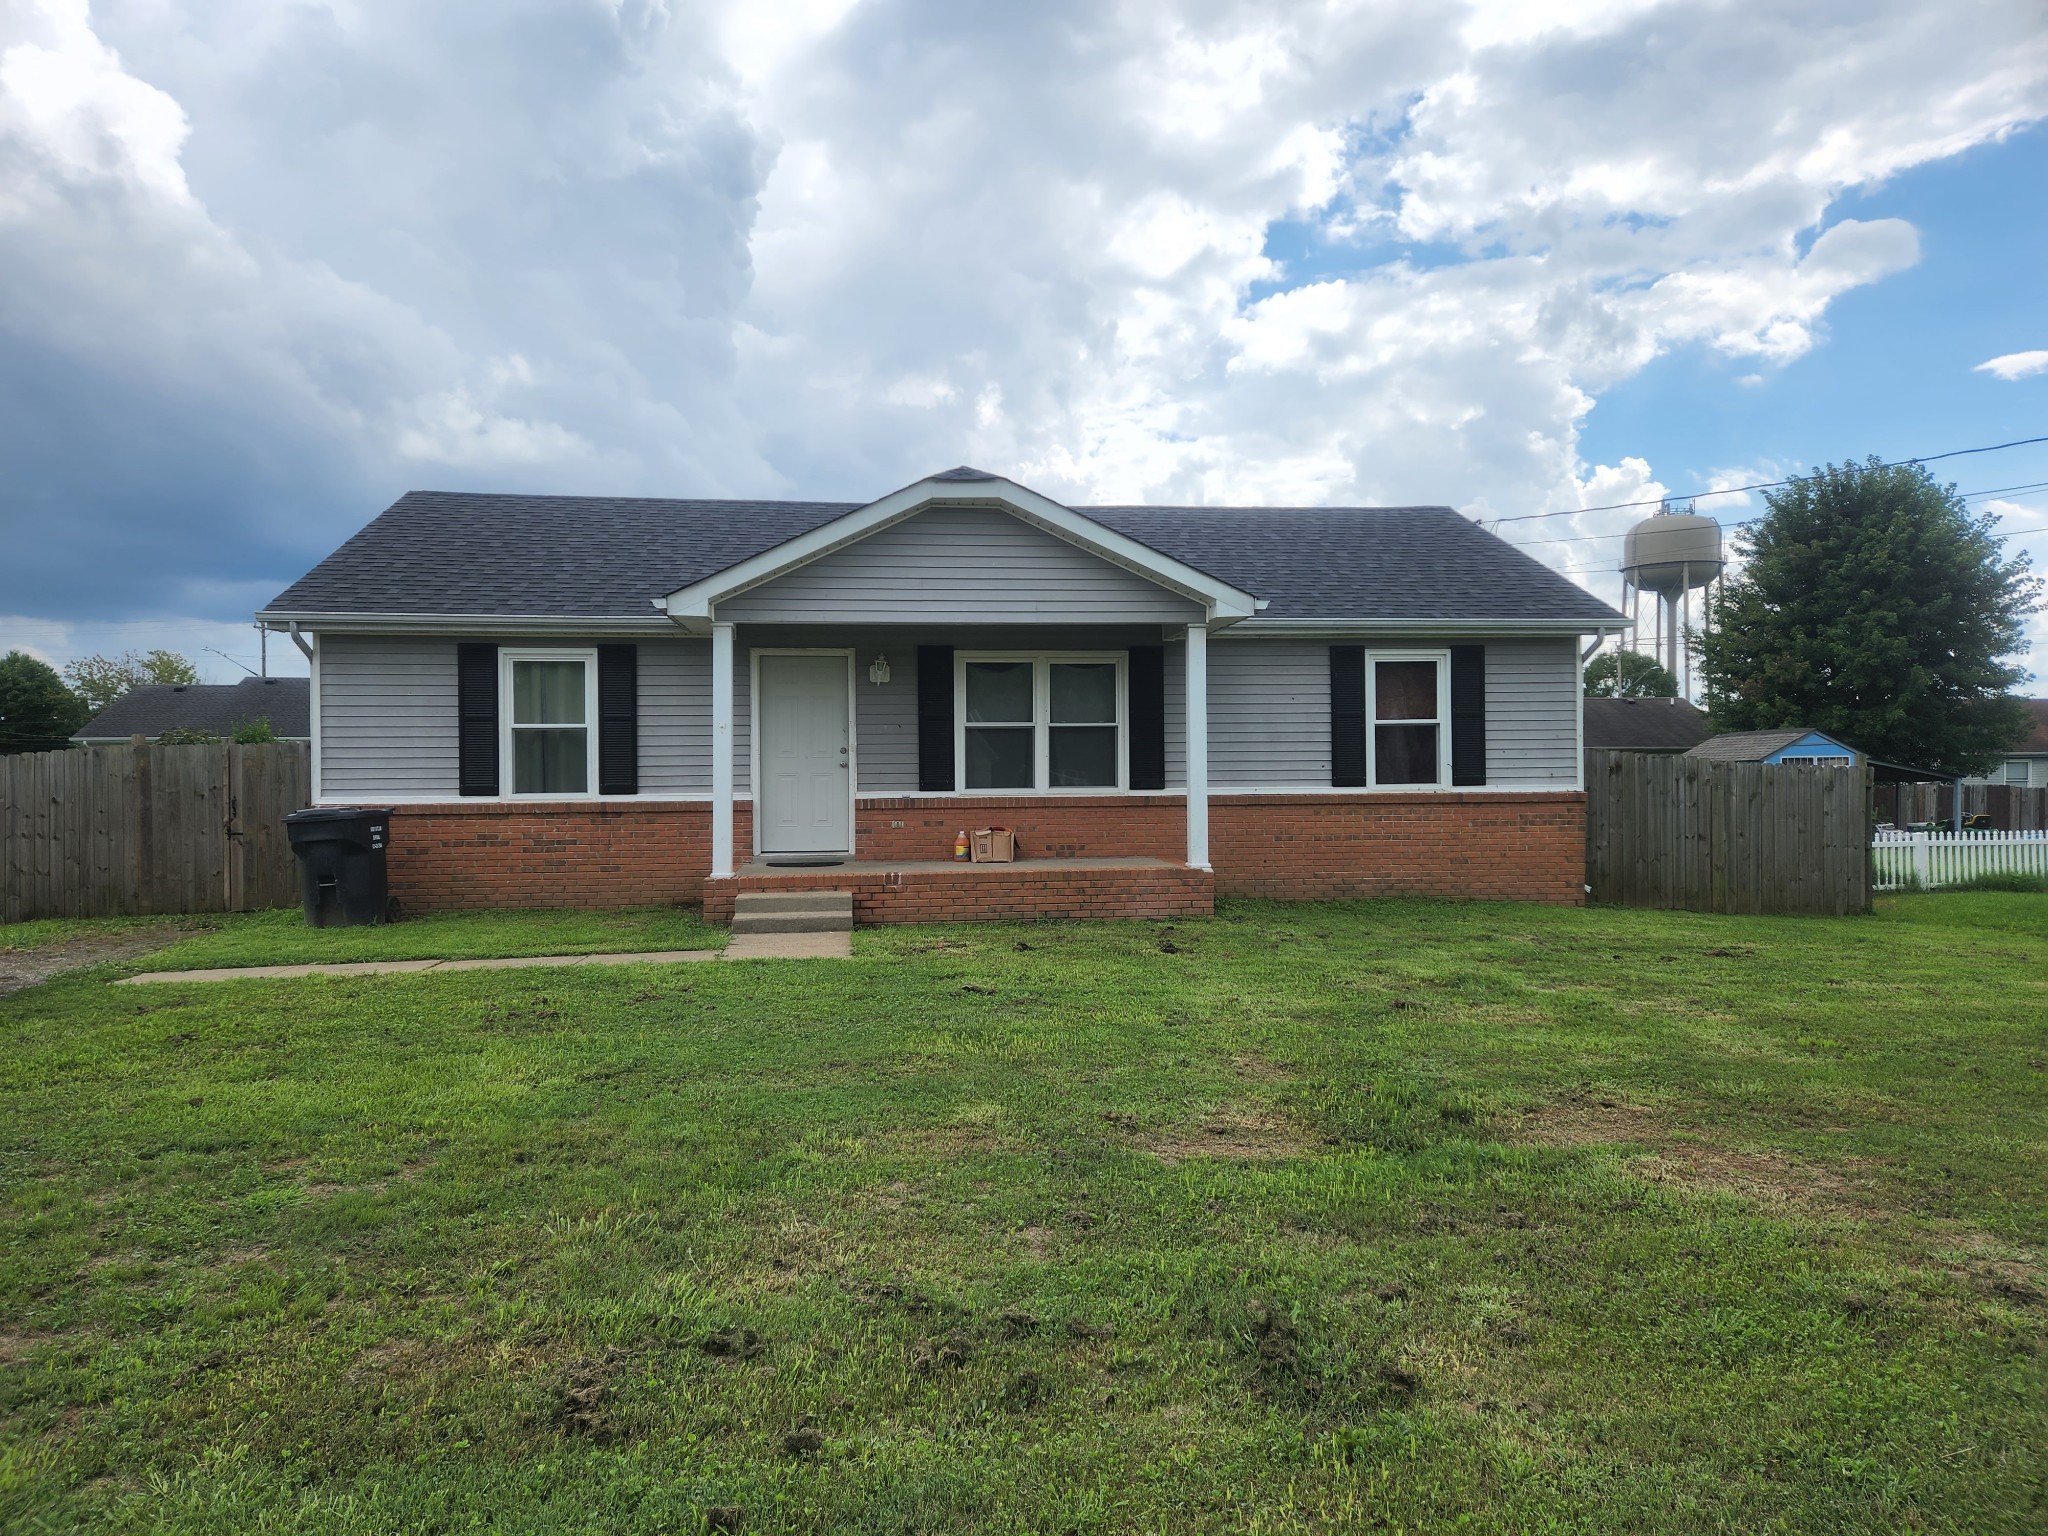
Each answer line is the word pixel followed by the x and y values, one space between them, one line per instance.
pixel 1923 873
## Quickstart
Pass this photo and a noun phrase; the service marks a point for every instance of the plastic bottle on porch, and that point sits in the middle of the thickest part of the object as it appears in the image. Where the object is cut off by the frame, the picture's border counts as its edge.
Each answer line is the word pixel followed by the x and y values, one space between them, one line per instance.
pixel 960 849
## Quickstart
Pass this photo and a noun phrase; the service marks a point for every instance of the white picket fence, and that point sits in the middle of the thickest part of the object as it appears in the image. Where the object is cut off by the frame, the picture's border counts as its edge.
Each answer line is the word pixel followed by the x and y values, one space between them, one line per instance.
pixel 1926 860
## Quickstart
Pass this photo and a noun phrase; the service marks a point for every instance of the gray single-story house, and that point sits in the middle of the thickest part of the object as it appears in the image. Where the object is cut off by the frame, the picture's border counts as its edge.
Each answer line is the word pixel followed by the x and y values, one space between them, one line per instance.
pixel 150 709
pixel 589 700
pixel 2026 765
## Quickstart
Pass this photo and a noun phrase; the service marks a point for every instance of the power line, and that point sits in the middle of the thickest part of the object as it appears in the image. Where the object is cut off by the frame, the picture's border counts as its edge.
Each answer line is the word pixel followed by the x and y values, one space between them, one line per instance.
pixel 1737 522
pixel 1761 485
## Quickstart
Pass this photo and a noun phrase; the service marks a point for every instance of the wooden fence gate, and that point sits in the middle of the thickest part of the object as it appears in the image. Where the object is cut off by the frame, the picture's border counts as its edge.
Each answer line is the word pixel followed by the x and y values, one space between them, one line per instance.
pixel 106 831
pixel 1674 831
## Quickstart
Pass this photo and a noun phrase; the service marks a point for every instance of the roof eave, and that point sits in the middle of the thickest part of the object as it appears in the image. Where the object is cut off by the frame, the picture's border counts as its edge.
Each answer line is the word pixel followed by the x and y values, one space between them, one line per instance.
pixel 346 623
pixel 1338 629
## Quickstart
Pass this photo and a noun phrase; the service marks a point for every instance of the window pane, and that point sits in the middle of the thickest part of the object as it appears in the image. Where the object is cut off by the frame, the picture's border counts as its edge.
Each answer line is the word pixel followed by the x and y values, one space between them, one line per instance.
pixel 1084 692
pixel 1406 690
pixel 1082 757
pixel 999 757
pixel 999 690
pixel 547 693
pixel 1404 754
pixel 551 762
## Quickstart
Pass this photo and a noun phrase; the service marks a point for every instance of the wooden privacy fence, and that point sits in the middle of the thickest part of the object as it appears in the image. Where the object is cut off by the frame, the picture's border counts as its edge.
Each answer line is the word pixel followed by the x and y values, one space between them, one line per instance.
pixel 1927 860
pixel 2011 807
pixel 1665 831
pixel 104 831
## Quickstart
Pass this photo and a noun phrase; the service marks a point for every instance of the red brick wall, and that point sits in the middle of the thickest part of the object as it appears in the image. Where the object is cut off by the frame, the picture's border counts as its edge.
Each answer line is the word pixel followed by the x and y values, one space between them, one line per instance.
pixel 1522 847
pixel 565 853
pixel 1047 826
pixel 1495 846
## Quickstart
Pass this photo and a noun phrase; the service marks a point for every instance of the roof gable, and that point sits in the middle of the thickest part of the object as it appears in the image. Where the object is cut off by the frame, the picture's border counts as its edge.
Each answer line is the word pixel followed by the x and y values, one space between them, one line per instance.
pixel 697 602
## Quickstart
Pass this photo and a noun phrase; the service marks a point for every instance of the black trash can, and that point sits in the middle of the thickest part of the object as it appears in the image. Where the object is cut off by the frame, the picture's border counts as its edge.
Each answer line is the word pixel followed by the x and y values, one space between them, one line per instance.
pixel 341 866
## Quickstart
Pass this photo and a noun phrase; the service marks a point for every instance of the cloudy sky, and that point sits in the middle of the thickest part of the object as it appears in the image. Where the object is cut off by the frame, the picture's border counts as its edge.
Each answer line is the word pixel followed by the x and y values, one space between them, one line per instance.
pixel 266 264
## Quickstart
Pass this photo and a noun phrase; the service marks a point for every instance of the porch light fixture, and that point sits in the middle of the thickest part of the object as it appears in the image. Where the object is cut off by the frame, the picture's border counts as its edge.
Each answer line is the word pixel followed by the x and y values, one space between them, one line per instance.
pixel 878 670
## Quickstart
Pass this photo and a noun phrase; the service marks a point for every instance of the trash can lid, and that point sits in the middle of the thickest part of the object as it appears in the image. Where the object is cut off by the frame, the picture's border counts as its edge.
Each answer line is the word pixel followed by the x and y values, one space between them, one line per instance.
pixel 332 813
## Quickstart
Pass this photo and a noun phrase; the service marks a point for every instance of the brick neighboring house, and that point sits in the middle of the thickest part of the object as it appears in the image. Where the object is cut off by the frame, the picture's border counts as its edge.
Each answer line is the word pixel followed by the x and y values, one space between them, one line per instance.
pixel 150 709
pixel 598 702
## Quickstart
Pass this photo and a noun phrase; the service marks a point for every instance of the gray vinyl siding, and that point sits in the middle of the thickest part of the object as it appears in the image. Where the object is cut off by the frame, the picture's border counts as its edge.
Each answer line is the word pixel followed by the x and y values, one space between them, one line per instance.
pixel 675 717
pixel 1532 713
pixel 1269 713
pixel 387 716
pixel 960 565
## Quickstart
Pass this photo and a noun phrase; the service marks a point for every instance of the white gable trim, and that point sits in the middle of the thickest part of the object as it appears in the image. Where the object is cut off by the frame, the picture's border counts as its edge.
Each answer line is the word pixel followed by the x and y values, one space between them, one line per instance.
pixel 693 605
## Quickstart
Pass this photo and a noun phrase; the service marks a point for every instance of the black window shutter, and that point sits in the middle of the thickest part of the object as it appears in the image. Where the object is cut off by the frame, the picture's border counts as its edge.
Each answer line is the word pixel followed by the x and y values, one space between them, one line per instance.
pixel 935 717
pixel 1147 683
pixel 476 706
pixel 1347 716
pixel 618 719
pixel 1468 714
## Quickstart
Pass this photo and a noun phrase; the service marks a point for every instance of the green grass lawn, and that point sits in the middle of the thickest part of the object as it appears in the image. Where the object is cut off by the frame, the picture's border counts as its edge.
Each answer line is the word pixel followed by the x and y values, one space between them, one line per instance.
pixel 1377 1216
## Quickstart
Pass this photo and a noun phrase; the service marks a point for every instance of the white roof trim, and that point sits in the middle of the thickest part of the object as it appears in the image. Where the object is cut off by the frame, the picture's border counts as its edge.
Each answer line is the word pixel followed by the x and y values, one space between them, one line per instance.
pixel 466 623
pixel 1224 603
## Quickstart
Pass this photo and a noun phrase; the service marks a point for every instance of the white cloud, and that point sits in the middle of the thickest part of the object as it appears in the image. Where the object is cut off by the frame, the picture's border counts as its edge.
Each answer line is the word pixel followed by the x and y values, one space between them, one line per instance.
pixel 2015 365
pixel 263 265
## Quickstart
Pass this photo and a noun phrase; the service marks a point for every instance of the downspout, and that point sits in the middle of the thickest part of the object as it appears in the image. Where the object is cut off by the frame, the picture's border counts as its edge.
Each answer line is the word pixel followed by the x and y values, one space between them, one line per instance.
pixel 300 640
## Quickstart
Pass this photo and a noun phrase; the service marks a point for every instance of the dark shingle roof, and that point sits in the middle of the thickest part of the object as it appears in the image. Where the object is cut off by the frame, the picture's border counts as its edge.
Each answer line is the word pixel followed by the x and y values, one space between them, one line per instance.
pixel 454 553
pixel 153 708
pixel 1643 725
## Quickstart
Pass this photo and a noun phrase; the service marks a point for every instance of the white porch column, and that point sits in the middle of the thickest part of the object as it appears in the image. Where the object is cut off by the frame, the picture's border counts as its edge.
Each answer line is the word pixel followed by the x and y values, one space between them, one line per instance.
pixel 1198 745
pixel 721 750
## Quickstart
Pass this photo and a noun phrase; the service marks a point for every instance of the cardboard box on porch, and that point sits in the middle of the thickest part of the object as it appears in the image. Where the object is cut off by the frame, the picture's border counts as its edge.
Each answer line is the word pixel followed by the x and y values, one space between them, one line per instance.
pixel 995 845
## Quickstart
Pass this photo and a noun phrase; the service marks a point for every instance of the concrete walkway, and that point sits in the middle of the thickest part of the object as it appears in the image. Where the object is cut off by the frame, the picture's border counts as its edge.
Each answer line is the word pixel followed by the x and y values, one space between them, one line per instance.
pixel 763 946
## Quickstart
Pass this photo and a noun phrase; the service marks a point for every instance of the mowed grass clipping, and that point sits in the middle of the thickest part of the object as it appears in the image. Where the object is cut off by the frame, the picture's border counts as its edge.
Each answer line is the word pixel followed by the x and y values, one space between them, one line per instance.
pixel 1374 1216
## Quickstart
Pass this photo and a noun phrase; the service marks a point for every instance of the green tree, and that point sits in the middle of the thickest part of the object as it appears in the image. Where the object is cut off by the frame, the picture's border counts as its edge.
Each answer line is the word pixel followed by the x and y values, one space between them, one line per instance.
pixel 99 680
pixel 1871 605
pixel 37 712
pixel 1629 675
pixel 251 733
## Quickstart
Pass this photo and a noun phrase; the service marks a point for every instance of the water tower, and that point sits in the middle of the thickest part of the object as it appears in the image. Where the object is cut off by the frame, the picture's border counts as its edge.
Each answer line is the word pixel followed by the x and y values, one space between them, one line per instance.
pixel 1670 555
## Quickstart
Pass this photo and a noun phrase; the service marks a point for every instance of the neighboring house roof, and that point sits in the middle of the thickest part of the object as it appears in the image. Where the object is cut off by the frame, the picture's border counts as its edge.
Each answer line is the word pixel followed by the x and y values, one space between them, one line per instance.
pixel 1755 746
pixel 1644 725
pixel 457 554
pixel 153 708
pixel 2035 742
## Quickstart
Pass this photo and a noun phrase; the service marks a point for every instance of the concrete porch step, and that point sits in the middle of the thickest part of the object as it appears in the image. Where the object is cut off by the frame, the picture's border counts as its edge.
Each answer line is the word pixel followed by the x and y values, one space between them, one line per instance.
pixel 793 912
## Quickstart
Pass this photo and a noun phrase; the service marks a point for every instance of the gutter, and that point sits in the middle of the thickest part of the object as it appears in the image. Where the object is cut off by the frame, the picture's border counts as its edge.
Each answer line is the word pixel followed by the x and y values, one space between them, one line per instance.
pixel 1340 629
pixel 463 624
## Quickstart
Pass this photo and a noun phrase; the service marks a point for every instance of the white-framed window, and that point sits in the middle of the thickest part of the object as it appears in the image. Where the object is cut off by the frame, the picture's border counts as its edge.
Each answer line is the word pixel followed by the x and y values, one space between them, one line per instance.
pixel 1817 759
pixel 1039 720
pixel 549 721
pixel 2018 771
pixel 1407 719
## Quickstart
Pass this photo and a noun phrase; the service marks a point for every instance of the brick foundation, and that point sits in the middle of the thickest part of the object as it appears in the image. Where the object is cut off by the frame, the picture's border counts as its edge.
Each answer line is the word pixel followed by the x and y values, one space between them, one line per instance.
pixel 1498 846
pixel 1492 847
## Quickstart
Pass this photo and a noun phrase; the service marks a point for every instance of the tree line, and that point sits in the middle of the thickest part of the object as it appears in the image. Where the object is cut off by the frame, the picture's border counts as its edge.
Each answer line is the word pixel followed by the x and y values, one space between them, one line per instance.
pixel 40 707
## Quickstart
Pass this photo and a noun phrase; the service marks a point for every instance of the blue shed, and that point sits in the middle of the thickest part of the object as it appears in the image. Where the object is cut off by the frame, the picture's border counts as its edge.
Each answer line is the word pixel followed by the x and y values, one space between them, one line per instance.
pixel 1794 744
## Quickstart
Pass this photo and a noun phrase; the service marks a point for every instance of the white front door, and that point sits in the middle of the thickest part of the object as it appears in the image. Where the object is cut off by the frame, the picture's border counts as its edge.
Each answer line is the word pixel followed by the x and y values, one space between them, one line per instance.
pixel 805 776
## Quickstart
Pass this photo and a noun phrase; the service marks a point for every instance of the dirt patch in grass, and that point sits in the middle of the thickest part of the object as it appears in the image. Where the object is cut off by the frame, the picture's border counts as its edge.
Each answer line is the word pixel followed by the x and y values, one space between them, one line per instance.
pixel 23 968
pixel 1581 1122
pixel 1765 1177
pixel 1235 1132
